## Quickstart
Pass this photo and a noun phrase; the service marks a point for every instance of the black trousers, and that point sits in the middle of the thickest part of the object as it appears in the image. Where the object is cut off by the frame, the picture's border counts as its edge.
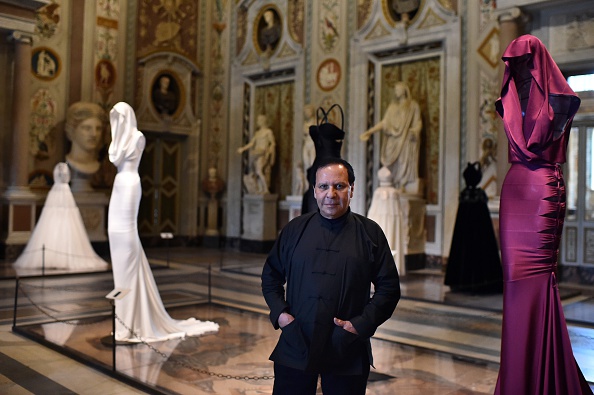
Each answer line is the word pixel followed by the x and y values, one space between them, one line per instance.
pixel 289 381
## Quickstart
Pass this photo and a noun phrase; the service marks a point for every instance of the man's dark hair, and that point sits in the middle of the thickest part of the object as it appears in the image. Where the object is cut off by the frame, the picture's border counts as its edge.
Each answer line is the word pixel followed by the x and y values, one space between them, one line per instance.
pixel 325 162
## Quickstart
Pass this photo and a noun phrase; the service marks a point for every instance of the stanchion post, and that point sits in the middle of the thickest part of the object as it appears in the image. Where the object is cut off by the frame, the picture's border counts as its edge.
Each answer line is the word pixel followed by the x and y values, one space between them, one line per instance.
pixel 167 236
pixel 16 301
pixel 209 285
pixel 167 253
pixel 113 333
pixel 114 295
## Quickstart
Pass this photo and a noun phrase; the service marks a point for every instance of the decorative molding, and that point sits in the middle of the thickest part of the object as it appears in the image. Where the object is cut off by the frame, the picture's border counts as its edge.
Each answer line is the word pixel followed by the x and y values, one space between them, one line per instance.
pixel 378 30
pixel 181 70
pixel 430 20
pixel 489 49
pixel 251 59
pixel 328 25
pixel 20 37
pixel 363 13
pixel 286 51
pixel 507 14
pixel 296 21
pixel 329 74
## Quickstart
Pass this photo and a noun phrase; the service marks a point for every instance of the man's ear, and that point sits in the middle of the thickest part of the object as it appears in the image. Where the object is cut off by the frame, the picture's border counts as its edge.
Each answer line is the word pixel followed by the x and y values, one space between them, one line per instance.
pixel 352 189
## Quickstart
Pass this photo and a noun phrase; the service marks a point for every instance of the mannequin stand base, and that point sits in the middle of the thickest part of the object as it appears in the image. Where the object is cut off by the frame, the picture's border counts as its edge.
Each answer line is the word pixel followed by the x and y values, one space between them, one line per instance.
pixel 108 341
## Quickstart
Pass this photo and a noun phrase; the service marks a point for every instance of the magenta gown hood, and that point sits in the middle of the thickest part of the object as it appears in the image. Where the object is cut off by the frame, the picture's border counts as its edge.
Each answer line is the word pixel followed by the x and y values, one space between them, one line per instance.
pixel 539 134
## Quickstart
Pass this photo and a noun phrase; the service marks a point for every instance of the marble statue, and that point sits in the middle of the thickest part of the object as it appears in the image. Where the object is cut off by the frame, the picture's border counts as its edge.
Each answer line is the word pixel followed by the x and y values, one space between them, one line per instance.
pixel 262 154
pixel 401 126
pixel 85 125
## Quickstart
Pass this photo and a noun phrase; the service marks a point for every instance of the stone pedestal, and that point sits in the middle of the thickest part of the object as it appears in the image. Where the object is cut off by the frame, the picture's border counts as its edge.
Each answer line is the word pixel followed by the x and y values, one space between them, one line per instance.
pixel 212 218
pixel 289 209
pixel 18 215
pixel 413 223
pixel 93 209
pixel 259 222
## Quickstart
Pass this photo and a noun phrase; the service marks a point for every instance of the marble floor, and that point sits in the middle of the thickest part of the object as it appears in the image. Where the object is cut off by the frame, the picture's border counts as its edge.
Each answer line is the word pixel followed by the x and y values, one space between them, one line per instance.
pixel 437 342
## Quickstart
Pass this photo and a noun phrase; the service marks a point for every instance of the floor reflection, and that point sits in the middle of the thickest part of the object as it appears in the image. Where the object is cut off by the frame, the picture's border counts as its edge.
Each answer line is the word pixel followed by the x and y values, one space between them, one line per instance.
pixel 437 342
pixel 235 360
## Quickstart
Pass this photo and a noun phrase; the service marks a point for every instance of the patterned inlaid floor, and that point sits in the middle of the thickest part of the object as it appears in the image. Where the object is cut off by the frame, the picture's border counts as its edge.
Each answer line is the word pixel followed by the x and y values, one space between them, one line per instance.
pixel 436 342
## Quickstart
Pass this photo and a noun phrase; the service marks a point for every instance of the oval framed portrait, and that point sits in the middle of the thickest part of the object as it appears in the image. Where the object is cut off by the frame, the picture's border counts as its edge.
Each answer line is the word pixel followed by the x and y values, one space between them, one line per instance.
pixel 268 30
pixel 45 63
pixel 401 11
pixel 167 93
pixel 329 74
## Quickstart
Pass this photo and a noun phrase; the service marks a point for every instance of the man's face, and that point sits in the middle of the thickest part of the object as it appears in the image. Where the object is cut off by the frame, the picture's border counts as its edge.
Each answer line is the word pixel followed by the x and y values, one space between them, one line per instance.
pixel 332 191
pixel 87 134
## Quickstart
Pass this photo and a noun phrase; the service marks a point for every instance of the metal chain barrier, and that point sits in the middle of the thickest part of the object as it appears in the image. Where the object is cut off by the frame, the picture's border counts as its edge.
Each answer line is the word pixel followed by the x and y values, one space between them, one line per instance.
pixel 142 341
pixel 60 288
pixel 56 319
pixel 185 365
pixel 44 250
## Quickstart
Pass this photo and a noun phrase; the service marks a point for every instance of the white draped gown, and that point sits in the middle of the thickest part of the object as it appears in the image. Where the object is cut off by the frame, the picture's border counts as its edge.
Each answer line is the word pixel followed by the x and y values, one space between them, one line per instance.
pixel 59 239
pixel 385 211
pixel 141 311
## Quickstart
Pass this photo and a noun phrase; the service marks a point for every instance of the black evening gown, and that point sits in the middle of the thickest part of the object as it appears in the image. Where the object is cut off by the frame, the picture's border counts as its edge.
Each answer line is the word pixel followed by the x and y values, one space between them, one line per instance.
pixel 474 264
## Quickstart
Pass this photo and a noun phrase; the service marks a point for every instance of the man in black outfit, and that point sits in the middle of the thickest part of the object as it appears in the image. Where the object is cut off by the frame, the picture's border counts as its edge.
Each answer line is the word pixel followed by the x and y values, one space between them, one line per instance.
pixel 328 260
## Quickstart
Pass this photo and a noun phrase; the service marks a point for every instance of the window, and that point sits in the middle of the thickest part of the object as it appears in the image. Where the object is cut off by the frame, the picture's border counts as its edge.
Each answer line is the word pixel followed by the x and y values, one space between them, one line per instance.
pixel 581 83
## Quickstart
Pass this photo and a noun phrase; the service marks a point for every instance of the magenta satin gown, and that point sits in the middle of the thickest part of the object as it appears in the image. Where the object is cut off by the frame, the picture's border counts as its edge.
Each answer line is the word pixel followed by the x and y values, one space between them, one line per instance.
pixel 537 108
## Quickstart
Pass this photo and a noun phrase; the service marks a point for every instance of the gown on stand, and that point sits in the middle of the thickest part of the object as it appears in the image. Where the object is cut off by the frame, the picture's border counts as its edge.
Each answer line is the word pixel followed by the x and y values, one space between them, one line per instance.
pixel 60 240
pixel 537 107
pixel 385 211
pixel 474 264
pixel 141 310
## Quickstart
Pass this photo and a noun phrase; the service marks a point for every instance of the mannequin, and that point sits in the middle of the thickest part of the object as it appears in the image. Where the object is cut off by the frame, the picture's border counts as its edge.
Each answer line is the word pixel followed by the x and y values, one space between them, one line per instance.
pixel 141 309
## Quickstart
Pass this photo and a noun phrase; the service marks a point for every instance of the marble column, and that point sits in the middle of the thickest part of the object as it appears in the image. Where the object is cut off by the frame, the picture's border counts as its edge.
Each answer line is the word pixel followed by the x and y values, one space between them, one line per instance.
pixel 21 111
pixel 19 200
pixel 510 27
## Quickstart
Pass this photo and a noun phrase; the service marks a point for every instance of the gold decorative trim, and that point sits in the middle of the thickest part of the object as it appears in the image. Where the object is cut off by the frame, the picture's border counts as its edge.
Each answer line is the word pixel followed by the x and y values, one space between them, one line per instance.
pixel 45 63
pixel 329 74
pixel 489 48
pixel 262 47
pixel 176 88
